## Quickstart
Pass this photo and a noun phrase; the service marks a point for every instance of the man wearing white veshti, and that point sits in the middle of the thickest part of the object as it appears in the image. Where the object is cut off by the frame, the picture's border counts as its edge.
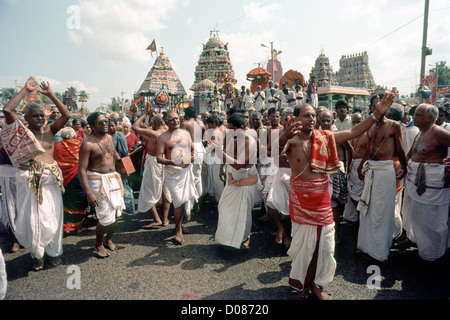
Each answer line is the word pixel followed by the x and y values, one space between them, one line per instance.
pixel 427 194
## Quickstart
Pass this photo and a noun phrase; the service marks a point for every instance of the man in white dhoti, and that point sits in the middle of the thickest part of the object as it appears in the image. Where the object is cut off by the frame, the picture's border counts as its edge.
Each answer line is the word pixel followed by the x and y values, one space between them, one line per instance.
pixel 377 202
pixel 236 204
pixel 196 129
pixel 215 184
pixel 39 219
pixel 103 185
pixel 355 185
pixel 151 191
pixel 427 194
pixel 276 188
pixel 259 98
pixel 175 150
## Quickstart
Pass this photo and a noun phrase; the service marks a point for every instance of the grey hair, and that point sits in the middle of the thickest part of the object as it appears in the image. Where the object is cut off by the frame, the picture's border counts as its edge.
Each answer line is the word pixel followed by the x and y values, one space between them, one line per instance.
pixel 287 110
pixel 29 106
pixel 68 133
pixel 431 110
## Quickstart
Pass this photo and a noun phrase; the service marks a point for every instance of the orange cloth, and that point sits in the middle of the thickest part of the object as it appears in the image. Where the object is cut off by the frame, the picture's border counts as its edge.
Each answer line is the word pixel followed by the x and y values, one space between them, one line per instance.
pixel 66 155
pixel 310 202
pixel 324 156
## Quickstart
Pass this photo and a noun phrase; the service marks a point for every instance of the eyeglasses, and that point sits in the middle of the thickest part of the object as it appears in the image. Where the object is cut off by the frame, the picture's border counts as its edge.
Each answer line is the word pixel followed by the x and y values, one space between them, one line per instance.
pixel 101 122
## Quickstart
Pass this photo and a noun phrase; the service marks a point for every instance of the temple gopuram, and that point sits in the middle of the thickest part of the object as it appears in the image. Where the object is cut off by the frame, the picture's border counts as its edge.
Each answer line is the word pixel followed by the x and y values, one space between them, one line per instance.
pixel 214 69
pixel 323 71
pixel 352 82
pixel 354 71
pixel 162 75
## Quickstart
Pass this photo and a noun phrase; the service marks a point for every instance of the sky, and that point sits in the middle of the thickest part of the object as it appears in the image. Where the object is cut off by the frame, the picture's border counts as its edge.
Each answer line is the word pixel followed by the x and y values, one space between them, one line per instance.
pixel 100 45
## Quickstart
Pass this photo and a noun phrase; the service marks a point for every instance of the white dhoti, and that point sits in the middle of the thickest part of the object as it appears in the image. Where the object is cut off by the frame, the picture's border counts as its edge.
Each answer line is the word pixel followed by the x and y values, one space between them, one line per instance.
pixel 180 184
pixel 235 209
pixel 8 198
pixel 108 189
pixel 3 277
pixel 39 227
pixel 355 188
pixel 377 208
pixel 314 100
pixel 278 191
pixel 301 251
pixel 214 184
pixel 197 168
pixel 152 184
pixel 426 216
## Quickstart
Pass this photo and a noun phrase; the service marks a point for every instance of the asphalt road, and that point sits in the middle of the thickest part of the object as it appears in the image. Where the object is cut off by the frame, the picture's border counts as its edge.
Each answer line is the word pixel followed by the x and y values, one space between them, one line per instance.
pixel 149 266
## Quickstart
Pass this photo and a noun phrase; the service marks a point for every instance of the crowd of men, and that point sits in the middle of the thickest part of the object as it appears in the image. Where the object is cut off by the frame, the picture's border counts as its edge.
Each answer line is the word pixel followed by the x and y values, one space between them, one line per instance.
pixel 307 166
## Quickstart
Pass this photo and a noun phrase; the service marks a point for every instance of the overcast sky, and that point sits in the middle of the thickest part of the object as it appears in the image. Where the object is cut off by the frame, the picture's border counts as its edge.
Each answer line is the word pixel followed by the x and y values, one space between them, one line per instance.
pixel 100 45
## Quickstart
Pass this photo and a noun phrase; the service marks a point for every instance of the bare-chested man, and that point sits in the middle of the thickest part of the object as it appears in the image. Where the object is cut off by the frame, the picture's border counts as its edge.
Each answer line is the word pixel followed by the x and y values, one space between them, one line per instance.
pixel 175 150
pixel 354 183
pixel 236 203
pixel 427 193
pixel 269 169
pixel 196 129
pixel 103 185
pixel 276 190
pixel 39 182
pixel 377 202
pixel 338 180
pixel 153 176
pixel 312 155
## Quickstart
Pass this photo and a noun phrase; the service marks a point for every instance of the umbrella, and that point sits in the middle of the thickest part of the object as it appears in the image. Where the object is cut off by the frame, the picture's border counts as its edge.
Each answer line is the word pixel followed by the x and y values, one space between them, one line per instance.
pixel 290 77
pixel 258 77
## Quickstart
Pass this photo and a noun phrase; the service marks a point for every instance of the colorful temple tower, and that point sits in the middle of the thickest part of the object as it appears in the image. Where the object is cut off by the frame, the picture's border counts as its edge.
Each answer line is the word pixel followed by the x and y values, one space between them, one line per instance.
pixel 214 69
pixel 162 76
pixel 354 71
pixel 323 71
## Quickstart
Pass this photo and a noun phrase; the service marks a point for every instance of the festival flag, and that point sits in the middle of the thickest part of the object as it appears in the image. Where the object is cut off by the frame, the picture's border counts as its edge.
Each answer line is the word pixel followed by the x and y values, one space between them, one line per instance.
pixel 152 47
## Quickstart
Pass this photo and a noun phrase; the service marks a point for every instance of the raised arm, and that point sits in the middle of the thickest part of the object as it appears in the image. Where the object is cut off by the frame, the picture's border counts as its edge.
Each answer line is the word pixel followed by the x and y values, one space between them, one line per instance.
pixel 59 123
pixel 9 110
pixel 381 107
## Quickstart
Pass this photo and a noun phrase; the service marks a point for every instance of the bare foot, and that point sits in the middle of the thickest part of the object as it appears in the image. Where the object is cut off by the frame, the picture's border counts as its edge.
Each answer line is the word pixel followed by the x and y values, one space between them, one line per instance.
pixel 152 225
pixel 279 236
pixel 319 293
pixel 246 244
pixel 179 239
pixel 110 245
pixel 101 252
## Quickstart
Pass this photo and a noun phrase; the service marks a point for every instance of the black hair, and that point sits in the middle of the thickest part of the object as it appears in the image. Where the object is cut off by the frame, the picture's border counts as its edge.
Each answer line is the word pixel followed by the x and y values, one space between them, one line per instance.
pixel 92 117
pixel 271 111
pixel 237 120
pixel 213 119
pixel 190 112
pixel 372 98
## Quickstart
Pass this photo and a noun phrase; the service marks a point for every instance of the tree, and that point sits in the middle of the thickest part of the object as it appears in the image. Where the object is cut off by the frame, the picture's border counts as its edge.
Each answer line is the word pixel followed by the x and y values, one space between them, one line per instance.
pixel 443 73
pixel 115 104
pixel 6 94
pixel 83 94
